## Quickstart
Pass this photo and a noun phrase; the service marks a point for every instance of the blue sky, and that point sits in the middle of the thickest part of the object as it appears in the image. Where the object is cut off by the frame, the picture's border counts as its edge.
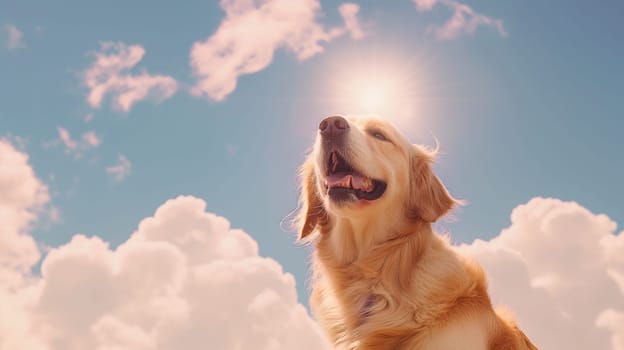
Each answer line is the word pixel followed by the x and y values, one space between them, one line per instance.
pixel 535 112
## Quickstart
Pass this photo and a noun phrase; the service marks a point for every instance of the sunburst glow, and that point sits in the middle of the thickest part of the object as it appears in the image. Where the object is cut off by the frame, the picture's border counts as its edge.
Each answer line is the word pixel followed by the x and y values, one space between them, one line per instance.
pixel 373 94
pixel 382 86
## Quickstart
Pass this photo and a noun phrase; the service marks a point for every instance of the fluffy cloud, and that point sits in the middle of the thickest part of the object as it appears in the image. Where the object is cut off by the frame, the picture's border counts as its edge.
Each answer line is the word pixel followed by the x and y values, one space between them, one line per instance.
pixel 109 74
pixel 15 37
pixel 463 20
pixel 560 268
pixel 183 280
pixel 22 198
pixel 250 33
pixel 121 170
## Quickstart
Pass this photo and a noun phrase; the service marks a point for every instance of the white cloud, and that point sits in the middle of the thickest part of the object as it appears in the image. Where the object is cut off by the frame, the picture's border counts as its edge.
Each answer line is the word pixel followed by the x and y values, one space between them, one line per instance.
pixel 22 198
pixel 557 266
pixel 250 33
pixel 110 74
pixel 120 170
pixel 89 140
pixel 464 19
pixel 15 37
pixel 183 280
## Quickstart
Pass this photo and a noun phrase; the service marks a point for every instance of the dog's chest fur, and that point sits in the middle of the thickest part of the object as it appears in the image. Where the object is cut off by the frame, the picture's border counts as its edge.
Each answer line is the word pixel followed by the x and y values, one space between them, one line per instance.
pixel 381 306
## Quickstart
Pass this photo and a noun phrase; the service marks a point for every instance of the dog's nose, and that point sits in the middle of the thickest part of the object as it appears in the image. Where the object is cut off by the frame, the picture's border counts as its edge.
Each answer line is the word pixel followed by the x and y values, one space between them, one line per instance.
pixel 333 126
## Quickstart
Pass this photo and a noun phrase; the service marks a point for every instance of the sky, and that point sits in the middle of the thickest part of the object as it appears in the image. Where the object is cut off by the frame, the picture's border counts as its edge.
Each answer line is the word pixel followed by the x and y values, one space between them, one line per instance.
pixel 149 156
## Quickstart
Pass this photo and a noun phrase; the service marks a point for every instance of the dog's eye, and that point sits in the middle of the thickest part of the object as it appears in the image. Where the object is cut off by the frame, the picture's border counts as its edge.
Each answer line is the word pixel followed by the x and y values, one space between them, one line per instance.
pixel 378 135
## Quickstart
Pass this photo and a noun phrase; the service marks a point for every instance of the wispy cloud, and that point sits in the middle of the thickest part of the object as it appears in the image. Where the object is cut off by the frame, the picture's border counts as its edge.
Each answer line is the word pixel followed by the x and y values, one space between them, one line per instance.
pixel 110 75
pixel 66 139
pixel 463 20
pixel 88 140
pixel 121 170
pixel 54 215
pixel 15 37
pixel 88 118
pixel 349 13
pixel 231 150
pixel 17 141
pixel 250 33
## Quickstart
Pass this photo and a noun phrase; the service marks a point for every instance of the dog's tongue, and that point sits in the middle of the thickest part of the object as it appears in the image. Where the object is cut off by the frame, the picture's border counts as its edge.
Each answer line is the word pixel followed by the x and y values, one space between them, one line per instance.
pixel 348 180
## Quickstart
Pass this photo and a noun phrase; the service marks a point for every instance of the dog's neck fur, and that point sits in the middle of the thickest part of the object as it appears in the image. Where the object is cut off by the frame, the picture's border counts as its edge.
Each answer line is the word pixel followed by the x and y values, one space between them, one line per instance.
pixel 353 266
pixel 353 240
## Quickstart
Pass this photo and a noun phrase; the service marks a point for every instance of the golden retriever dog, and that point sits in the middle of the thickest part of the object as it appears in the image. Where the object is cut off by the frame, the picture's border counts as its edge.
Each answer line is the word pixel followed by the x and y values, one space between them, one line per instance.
pixel 382 279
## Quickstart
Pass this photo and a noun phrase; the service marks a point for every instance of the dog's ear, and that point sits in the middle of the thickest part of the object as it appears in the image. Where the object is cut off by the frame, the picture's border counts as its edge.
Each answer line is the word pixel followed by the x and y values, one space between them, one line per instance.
pixel 312 212
pixel 428 198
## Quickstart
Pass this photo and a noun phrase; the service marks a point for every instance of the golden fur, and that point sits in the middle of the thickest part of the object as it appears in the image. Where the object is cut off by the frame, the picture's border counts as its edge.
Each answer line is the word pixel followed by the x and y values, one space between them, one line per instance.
pixel 382 279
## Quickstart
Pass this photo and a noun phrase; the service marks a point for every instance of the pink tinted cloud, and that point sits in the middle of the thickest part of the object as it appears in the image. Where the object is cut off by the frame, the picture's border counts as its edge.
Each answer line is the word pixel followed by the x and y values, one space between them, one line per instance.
pixel 185 279
pixel 425 5
pixel 463 20
pixel 90 138
pixel 121 170
pixel 15 37
pixel 558 266
pixel 65 137
pixel 22 198
pixel 349 13
pixel 110 75
pixel 87 141
pixel 251 32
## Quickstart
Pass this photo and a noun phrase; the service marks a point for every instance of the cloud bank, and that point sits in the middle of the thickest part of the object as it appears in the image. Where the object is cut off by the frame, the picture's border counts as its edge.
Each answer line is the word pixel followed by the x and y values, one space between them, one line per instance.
pixel 183 280
pixel 560 268
pixel 186 280
pixel 252 31
pixel 110 75
pixel 463 20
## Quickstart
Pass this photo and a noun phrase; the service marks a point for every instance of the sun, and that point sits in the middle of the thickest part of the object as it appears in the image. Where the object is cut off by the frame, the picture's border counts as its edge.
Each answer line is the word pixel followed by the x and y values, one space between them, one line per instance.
pixel 373 93
pixel 377 85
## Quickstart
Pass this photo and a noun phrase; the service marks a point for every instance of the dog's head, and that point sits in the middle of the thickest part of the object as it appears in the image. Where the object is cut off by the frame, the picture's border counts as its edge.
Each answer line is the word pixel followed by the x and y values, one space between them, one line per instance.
pixel 363 168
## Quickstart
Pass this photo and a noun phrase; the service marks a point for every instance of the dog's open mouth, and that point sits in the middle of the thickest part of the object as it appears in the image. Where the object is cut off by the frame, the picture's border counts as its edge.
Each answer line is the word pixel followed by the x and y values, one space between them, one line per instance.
pixel 343 182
